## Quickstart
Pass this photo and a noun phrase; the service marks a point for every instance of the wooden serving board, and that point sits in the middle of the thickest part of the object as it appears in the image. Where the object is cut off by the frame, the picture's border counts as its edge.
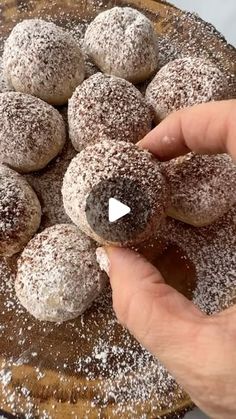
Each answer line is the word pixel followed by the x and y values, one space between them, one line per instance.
pixel 80 369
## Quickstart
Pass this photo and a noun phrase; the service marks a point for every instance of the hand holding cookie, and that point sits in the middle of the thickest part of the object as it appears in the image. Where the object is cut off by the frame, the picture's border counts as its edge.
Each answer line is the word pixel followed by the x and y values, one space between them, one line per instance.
pixel 192 345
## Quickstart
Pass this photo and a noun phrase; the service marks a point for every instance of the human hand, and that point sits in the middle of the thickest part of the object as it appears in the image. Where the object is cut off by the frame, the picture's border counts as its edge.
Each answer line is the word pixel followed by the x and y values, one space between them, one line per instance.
pixel 198 350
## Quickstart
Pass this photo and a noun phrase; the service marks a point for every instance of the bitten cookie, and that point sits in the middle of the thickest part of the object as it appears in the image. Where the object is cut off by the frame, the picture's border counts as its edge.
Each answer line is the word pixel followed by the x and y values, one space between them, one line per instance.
pixel 125 173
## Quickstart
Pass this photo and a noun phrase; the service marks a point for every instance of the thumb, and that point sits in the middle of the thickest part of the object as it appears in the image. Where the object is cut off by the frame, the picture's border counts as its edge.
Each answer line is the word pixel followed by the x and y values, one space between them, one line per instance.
pixel 162 320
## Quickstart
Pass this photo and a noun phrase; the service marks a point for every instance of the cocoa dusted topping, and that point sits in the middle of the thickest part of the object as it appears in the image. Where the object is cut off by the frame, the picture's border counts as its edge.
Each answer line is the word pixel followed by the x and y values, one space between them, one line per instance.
pixel 42 59
pixel 107 107
pixel 32 132
pixel 58 277
pixel 186 82
pixel 20 212
pixel 122 42
pixel 202 188
pixel 116 168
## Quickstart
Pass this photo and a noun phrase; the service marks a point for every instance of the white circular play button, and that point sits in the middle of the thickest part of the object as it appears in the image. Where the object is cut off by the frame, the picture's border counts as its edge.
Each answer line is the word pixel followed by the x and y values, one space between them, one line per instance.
pixel 116 210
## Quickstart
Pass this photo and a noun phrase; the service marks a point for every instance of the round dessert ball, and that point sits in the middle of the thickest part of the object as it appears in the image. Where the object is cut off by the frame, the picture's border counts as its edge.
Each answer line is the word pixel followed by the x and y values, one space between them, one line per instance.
pixel 42 59
pixel 202 188
pixel 185 82
pixel 32 132
pixel 58 277
pixel 107 107
pixel 122 42
pixel 20 212
pixel 108 174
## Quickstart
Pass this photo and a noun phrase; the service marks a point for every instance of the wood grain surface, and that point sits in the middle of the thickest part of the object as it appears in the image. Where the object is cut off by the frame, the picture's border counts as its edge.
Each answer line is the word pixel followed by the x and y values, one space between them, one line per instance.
pixel 39 374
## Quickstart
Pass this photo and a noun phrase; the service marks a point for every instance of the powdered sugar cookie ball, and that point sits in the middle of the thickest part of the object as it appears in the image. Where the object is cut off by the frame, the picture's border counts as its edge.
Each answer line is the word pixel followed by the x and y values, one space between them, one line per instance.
pixel 58 277
pixel 122 42
pixel 107 107
pixel 185 82
pixel 125 173
pixel 42 59
pixel 32 132
pixel 20 212
pixel 202 188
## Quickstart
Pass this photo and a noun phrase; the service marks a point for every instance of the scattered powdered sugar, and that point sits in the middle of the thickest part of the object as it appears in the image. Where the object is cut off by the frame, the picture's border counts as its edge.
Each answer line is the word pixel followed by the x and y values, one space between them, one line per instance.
pixel 93 346
pixel 115 369
pixel 107 107
pixel 48 183
pixel 212 249
pixel 187 35
pixel 125 382
pixel 167 51
pixel 78 32
pixel 111 367
pixel 5 377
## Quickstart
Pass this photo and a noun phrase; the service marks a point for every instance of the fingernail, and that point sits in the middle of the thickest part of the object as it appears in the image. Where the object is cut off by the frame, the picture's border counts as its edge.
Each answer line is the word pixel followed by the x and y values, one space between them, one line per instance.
pixel 139 143
pixel 102 259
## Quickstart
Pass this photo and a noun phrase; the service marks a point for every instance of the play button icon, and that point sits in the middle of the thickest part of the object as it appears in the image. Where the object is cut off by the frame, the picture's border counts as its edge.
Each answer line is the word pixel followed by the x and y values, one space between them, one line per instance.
pixel 117 210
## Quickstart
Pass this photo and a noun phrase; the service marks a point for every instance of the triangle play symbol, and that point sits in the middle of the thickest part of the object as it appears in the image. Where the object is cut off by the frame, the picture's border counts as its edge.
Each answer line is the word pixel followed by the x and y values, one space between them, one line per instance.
pixel 117 210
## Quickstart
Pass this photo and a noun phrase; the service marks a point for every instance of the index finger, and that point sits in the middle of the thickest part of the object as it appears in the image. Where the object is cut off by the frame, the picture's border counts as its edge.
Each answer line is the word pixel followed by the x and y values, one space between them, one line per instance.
pixel 208 128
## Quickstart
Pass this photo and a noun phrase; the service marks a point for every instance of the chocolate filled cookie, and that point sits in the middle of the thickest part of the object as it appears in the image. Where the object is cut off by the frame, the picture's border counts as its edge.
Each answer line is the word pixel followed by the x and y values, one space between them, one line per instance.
pixel 125 174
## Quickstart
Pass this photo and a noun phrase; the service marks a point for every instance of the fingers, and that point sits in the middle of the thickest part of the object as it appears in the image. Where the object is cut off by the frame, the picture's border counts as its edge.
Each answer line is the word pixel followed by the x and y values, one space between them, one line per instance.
pixel 206 129
pixel 163 320
pixel 197 350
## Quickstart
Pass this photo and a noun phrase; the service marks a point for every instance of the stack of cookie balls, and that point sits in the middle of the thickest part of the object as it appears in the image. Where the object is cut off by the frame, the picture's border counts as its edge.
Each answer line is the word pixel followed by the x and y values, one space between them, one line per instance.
pixel 43 67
